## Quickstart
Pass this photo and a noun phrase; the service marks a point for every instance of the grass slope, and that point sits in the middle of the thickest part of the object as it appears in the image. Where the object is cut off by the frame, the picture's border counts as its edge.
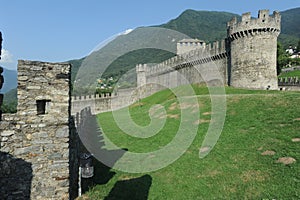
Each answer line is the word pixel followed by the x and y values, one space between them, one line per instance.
pixel 290 74
pixel 256 121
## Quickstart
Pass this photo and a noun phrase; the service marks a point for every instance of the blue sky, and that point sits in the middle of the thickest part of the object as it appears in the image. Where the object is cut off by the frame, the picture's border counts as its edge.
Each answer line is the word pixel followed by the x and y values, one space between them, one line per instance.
pixel 60 30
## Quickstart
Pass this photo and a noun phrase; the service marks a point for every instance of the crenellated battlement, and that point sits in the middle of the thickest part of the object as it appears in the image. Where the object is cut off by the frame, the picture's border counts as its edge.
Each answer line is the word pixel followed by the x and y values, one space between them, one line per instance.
pixel 207 53
pixel 187 45
pixel 141 68
pixel 265 23
pixel 245 59
pixel 93 97
pixel 253 45
pixel 289 81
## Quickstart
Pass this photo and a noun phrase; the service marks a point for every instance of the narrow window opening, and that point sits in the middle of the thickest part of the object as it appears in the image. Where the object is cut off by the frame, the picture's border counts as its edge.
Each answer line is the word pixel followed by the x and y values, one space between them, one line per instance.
pixel 42 106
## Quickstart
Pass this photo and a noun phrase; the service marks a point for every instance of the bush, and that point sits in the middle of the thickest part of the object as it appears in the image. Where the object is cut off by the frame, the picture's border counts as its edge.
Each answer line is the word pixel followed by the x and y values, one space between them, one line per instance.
pixel 9 107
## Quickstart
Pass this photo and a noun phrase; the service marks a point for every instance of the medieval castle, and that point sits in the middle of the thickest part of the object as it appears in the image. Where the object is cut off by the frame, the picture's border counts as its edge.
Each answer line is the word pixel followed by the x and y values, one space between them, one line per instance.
pixel 39 144
pixel 245 59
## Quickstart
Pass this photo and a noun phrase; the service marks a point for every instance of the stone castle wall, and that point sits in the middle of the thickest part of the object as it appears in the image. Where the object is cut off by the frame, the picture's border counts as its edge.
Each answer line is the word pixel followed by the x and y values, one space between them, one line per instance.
pixel 253 47
pixel 245 59
pixel 193 67
pixel 186 45
pixel 104 102
pixel 289 83
pixel 41 136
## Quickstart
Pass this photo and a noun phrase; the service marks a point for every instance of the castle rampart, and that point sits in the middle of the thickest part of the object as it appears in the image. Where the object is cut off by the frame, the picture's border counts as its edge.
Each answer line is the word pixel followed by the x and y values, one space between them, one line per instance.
pixel 289 83
pixel 253 46
pixel 249 26
pixel 245 59
pixel 186 68
pixel 99 103
pixel 187 45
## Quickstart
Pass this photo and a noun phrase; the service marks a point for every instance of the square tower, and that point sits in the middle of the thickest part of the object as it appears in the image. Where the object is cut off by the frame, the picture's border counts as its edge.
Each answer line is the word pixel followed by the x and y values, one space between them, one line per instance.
pixel 44 133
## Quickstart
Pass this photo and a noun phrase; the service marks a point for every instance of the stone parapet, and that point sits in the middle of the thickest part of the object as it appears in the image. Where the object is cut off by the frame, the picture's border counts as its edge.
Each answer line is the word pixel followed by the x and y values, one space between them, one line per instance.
pixel 249 26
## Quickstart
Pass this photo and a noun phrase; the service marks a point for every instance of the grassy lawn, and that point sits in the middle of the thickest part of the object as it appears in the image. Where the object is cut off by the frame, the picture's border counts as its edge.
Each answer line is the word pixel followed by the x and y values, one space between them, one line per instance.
pixel 290 74
pixel 256 121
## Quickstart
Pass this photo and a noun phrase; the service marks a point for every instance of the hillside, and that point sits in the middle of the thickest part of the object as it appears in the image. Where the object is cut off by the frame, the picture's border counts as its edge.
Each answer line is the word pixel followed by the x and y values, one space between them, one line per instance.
pixel 10 80
pixel 256 155
pixel 290 27
pixel 209 26
pixel 10 101
pixel 291 22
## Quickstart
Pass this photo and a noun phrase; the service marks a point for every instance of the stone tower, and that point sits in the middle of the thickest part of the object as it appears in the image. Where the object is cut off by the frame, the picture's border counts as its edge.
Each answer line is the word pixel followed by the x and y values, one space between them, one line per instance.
pixel 41 134
pixel 252 46
pixel 187 45
pixel 141 74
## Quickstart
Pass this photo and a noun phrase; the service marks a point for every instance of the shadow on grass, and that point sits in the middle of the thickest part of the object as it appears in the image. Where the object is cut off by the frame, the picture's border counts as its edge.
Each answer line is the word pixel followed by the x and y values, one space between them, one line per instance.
pixel 89 131
pixel 133 189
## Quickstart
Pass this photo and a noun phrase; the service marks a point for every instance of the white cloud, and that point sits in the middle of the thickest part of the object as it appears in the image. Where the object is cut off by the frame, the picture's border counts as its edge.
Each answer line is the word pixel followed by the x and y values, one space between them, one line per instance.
pixel 7 61
pixel 127 31
pixel 6 57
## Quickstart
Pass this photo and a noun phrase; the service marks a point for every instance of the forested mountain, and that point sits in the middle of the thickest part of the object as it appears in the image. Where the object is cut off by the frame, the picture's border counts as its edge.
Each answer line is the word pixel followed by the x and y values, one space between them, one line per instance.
pixel 209 26
pixel 10 80
pixel 290 27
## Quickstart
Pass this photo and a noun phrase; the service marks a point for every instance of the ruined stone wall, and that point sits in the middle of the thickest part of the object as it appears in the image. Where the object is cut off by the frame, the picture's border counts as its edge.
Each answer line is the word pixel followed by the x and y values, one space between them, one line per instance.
pixel 41 134
pixel 253 46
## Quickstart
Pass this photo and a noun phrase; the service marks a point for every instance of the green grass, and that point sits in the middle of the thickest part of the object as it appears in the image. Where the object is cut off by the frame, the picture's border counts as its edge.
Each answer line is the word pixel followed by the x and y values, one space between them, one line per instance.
pixel 290 74
pixel 235 169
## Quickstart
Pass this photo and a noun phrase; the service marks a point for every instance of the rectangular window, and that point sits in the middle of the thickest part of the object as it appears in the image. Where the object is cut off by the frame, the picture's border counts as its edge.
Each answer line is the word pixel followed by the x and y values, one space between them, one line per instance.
pixel 42 106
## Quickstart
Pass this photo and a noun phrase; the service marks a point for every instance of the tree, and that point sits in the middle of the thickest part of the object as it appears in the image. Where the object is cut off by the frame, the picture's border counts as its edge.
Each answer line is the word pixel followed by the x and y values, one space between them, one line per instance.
pixel 9 107
pixel 282 58
pixel 298 46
